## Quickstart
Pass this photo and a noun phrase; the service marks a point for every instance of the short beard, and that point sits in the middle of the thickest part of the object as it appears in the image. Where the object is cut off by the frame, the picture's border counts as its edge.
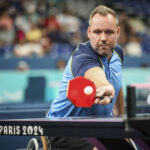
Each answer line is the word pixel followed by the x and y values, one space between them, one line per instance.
pixel 103 54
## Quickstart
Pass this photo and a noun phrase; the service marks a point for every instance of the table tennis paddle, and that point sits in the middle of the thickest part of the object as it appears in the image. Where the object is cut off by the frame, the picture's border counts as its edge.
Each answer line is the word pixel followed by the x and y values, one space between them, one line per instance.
pixel 81 92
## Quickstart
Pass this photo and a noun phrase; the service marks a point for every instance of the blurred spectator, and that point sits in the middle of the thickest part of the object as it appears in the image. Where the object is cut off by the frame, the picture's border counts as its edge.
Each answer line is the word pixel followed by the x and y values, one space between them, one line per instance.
pixel 25 49
pixel 46 44
pixel 51 22
pixel 7 33
pixel 15 7
pixel 23 66
pixel 61 64
pixel 21 48
pixel 70 24
pixel 34 34
pixel 128 38
pixel 125 29
pixel 30 6
pixel 137 24
pixel 36 49
pixel 42 7
pixel 22 22
pixel 133 47
pixel 6 21
pixel 53 29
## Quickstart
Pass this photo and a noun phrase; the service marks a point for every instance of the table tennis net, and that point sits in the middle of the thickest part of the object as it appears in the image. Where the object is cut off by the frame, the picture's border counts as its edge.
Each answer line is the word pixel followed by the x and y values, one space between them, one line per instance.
pixel 142 91
pixel 142 95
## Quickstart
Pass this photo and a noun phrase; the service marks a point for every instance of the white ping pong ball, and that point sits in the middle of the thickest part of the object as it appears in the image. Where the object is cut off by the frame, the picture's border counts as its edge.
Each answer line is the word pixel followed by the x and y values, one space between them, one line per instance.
pixel 88 90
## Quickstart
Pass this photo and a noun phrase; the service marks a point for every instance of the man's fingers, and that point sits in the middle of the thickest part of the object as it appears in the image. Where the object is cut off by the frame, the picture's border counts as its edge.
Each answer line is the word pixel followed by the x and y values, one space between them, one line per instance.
pixel 106 100
pixel 100 92
pixel 105 90
pixel 96 101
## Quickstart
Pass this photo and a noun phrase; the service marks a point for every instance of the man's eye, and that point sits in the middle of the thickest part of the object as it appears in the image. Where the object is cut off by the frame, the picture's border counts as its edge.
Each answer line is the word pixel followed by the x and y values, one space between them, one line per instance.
pixel 97 32
pixel 109 32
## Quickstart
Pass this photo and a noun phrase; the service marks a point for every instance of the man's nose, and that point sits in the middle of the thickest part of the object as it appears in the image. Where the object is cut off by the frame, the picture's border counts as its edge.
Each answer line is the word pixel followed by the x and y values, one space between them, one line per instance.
pixel 103 36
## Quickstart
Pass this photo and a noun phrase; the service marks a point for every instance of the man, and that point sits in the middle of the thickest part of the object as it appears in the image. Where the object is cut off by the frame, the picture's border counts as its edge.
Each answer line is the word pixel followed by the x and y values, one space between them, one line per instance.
pixel 99 60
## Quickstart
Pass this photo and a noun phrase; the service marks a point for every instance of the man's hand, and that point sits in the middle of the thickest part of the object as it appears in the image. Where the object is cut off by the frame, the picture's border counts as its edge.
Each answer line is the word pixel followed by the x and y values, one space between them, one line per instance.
pixel 107 92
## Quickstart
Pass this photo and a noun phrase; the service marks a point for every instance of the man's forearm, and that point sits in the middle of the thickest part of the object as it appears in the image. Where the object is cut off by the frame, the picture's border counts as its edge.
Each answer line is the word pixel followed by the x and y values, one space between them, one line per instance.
pixel 119 104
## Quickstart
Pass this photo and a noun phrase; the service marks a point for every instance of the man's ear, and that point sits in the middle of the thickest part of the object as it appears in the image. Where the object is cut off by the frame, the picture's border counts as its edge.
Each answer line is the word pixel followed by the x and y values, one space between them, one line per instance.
pixel 118 32
pixel 88 32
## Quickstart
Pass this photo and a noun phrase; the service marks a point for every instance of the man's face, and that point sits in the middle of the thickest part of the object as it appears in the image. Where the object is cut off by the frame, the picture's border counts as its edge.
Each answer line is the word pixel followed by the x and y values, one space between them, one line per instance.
pixel 103 33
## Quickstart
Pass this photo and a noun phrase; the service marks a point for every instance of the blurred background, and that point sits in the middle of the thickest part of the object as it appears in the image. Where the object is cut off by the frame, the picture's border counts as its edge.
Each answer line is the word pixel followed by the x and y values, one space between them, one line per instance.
pixel 37 38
